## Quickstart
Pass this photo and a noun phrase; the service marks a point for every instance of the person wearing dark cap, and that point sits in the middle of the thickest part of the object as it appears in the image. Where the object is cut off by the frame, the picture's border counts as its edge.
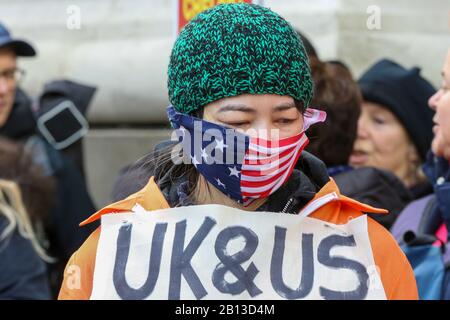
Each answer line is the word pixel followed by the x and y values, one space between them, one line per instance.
pixel 395 126
pixel 11 75
pixel 19 46
pixel 20 122
pixel 26 196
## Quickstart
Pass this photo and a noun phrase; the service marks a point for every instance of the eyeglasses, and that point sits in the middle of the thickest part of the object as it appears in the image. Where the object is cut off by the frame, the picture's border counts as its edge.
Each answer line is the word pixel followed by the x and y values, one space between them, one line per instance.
pixel 13 75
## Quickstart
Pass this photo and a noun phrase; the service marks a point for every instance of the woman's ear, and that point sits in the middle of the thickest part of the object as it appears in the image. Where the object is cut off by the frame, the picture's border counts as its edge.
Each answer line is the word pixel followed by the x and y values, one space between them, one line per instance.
pixel 413 154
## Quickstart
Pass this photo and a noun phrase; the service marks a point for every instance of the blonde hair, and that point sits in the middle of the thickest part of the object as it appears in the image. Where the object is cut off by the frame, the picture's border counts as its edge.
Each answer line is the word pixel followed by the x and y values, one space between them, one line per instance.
pixel 12 207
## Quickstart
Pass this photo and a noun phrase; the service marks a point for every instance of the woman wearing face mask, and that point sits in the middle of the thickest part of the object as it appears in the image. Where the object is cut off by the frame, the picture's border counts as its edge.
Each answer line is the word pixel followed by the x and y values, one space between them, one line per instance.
pixel 238 71
pixel 394 128
pixel 425 223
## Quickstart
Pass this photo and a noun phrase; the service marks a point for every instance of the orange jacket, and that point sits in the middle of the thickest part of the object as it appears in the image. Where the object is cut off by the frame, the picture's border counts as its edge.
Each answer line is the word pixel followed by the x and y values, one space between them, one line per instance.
pixel 395 271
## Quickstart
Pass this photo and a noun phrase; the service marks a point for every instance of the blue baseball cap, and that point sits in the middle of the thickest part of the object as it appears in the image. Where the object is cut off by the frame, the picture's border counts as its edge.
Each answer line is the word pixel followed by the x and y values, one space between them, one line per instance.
pixel 20 47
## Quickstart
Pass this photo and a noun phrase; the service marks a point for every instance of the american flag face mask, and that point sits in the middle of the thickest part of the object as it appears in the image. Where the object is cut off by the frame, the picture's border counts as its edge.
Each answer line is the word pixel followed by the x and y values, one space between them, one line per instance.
pixel 243 167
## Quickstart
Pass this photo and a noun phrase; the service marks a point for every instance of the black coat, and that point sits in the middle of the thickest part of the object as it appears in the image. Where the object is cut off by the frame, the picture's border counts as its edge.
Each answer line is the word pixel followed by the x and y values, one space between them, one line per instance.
pixel 378 188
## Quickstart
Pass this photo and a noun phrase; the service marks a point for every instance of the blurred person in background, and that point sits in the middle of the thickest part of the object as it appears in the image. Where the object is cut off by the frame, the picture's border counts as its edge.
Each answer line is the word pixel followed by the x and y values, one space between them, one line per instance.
pixel 22 269
pixel 26 199
pixel 337 93
pixel 37 190
pixel 309 48
pixel 422 228
pixel 72 201
pixel 26 196
pixel 395 127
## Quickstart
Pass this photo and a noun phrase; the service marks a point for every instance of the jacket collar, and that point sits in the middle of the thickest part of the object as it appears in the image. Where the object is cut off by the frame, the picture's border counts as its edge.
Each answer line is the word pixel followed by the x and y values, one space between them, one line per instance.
pixel 151 198
pixel 330 193
pixel 437 170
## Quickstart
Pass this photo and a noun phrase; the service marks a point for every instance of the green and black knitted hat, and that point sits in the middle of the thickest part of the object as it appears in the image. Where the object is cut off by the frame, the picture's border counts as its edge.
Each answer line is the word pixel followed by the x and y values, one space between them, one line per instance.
pixel 232 49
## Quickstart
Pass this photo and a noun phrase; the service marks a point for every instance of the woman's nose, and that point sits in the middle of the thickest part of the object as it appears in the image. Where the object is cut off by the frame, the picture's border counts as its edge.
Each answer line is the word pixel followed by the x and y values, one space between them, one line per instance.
pixel 361 128
pixel 264 130
pixel 434 99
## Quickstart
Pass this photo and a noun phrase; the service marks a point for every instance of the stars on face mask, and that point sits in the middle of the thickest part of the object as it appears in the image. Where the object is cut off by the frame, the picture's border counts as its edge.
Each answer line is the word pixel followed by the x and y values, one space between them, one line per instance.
pixel 220 145
pixel 220 184
pixel 234 171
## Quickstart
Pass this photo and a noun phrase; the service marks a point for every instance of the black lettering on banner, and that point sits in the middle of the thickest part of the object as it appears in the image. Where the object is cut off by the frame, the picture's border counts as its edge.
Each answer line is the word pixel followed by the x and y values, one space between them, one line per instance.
pixel 181 259
pixel 232 263
pixel 342 263
pixel 276 266
pixel 123 249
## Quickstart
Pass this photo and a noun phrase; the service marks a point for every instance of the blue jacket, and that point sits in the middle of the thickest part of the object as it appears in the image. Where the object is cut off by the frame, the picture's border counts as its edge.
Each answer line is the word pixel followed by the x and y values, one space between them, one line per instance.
pixel 438 172
pixel 423 217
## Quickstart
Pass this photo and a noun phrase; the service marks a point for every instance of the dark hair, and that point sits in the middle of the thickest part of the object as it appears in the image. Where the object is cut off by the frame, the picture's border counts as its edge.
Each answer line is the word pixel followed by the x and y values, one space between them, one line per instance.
pixel 159 164
pixel 310 50
pixel 340 63
pixel 335 92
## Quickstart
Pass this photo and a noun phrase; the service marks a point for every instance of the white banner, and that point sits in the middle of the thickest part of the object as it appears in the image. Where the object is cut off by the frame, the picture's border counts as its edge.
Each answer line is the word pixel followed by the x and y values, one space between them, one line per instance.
pixel 217 252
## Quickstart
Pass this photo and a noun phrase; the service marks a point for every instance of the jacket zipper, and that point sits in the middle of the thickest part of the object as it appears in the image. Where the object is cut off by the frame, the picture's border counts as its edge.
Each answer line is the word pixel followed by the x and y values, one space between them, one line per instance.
pixel 289 205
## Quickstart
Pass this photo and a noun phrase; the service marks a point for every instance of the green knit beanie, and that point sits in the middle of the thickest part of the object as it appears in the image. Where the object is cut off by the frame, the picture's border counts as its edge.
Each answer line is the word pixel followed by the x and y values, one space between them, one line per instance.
pixel 232 49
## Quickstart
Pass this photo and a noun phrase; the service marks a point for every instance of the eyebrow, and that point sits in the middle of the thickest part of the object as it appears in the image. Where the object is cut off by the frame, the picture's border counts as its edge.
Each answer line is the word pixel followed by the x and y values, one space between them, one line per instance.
pixel 284 106
pixel 237 107
pixel 244 108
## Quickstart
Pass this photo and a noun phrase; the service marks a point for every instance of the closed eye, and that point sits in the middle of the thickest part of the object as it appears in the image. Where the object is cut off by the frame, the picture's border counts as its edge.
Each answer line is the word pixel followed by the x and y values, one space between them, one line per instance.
pixel 286 121
pixel 378 120
pixel 236 124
